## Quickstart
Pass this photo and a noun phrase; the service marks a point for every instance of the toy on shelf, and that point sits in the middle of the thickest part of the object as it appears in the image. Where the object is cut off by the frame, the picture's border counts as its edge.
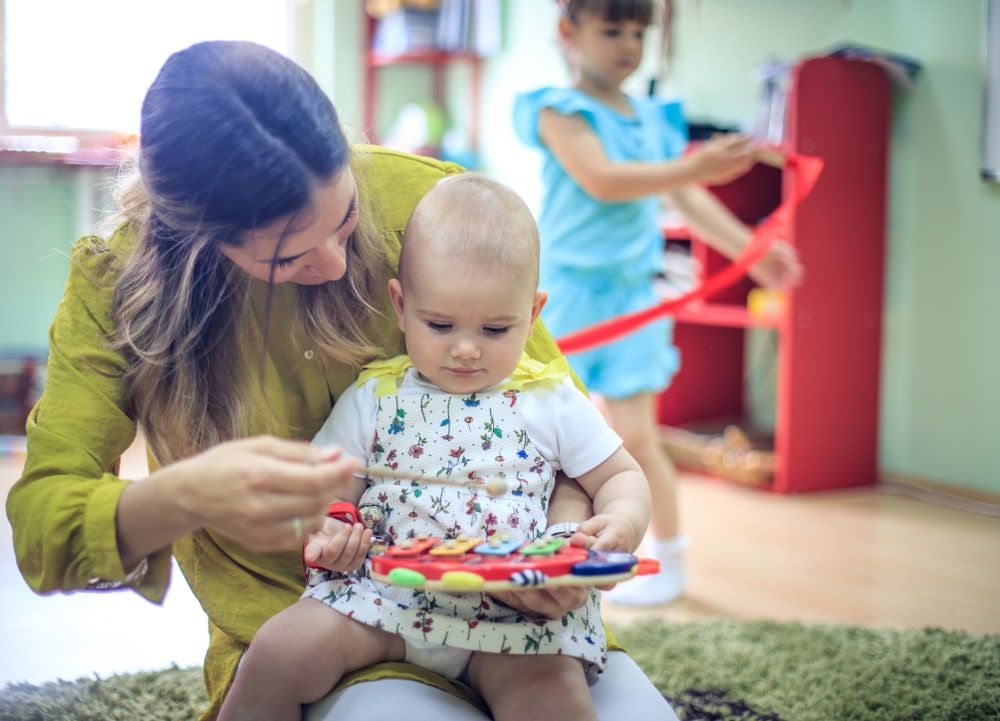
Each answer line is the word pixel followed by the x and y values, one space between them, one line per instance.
pixel 466 564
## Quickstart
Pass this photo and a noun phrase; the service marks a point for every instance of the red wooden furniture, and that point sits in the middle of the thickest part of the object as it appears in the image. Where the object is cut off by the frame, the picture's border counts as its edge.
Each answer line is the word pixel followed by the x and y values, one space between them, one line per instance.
pixel 829 336
pixel 438 62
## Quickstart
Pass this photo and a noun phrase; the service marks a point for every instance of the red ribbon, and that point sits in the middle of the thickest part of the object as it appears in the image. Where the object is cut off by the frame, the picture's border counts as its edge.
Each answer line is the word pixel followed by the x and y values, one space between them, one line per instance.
pixel 806 170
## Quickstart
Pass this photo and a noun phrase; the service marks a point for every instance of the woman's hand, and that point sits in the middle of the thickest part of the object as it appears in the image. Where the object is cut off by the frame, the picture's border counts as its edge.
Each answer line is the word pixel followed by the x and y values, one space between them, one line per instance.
pixel 723 158
pixel 552 603
pixel 338 546
pixel 265 493
pixel 780 269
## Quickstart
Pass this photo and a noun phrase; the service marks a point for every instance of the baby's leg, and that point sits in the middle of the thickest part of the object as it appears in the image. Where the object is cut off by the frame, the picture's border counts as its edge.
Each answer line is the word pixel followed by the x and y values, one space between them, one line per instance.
pixel 298 656
pixel 547 687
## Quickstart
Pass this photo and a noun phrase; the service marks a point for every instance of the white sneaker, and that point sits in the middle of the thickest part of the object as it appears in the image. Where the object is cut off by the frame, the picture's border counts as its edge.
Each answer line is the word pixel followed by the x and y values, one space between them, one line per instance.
pixel 663 587
pixel 647 590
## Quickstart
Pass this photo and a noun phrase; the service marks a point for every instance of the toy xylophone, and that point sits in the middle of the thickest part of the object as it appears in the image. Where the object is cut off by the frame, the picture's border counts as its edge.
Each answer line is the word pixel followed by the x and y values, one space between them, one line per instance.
pixel 474 564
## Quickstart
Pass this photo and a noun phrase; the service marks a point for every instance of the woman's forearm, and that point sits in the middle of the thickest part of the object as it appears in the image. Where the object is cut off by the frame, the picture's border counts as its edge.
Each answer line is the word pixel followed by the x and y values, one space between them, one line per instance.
pixel 149 516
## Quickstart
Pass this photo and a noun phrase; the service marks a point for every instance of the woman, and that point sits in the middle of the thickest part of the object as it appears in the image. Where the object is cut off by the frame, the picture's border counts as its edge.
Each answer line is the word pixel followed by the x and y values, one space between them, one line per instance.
pixel 223 318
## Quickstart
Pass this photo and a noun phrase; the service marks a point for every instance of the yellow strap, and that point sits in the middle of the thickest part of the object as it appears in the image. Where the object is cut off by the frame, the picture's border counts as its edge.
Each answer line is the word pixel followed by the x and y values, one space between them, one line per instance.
pixel 389 372
pixel 530 372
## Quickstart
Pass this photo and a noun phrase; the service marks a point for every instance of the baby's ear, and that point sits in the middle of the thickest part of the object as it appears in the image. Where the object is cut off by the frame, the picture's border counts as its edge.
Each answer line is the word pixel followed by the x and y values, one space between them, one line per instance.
pixel 396 296
pixel 541 298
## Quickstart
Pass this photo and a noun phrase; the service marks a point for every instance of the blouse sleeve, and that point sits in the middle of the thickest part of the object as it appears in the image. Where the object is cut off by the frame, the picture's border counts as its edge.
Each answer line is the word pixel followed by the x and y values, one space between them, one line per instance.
pixel 62 510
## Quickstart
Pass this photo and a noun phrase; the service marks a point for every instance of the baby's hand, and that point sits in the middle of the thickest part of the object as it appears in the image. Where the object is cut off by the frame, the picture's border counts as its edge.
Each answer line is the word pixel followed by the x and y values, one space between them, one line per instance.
pixel 552 603
pixel 606 532
pixel 338 546
pixel 723 158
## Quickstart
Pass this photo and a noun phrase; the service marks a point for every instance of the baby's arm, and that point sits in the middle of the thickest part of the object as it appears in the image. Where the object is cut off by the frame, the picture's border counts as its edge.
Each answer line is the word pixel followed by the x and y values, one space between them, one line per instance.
pixel 621 501
pixel 340 546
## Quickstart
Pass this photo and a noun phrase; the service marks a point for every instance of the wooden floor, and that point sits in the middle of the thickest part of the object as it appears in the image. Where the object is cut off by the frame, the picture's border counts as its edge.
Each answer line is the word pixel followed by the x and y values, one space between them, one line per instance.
pixel 860 556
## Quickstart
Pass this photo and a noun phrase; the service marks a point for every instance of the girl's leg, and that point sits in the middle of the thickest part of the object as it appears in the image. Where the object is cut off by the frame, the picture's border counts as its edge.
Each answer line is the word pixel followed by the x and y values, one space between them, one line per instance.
pixel 634 418
pixel 297 657
pixel 540 687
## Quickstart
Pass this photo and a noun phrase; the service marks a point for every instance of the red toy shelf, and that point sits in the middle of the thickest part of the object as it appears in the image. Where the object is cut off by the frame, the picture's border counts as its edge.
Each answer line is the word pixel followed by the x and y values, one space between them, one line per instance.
pixel 829 335
pixel 437 61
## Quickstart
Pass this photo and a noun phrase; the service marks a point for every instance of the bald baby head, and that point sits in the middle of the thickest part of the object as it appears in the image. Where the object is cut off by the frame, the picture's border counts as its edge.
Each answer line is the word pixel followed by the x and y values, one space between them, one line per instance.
pixel 473 222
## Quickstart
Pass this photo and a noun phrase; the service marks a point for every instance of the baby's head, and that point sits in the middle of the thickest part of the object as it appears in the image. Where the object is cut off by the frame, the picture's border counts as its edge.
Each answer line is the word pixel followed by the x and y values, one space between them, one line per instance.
pixel 466 292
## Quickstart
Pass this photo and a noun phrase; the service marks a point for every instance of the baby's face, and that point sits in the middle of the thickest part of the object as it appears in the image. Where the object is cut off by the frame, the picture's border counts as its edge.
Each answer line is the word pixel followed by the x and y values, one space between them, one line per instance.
pixel 465 331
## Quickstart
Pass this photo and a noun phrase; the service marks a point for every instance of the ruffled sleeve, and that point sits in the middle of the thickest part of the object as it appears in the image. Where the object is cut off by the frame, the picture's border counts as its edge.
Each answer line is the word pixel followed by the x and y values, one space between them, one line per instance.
pixel 675 139
pixel 565 101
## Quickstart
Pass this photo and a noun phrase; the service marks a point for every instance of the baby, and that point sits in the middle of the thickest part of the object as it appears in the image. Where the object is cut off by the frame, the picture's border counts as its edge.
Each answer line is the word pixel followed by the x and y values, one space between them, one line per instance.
pixel 463 405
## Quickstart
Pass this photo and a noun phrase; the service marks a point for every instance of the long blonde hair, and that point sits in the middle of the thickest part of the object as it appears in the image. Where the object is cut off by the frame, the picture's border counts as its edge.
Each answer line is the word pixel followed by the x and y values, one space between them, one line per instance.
pixel 179 304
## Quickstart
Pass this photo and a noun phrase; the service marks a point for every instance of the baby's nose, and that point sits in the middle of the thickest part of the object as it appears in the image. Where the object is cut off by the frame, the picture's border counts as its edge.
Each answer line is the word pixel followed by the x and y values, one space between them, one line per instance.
pixel 465 348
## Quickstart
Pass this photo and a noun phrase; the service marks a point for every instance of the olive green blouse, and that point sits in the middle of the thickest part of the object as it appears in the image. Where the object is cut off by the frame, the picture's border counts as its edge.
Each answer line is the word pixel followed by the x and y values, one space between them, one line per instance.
pixel 63 508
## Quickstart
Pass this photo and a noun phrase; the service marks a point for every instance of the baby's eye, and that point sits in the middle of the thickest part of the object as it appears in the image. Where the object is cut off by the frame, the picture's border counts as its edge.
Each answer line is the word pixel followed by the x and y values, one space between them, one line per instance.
pixel 496 329
pixel 439 327
pixel 285 263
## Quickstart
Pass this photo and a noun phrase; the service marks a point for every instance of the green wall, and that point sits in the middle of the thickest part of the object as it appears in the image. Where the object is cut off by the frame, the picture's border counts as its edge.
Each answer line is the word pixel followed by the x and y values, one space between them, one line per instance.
pixel 38 219
pixel 941 392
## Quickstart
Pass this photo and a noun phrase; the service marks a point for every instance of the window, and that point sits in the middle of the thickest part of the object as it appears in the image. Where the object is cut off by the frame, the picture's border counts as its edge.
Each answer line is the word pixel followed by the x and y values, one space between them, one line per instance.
pixel 75 72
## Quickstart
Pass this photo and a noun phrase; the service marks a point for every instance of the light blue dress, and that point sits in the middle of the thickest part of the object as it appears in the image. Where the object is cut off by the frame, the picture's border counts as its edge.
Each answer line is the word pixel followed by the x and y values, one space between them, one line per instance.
pixel 599 258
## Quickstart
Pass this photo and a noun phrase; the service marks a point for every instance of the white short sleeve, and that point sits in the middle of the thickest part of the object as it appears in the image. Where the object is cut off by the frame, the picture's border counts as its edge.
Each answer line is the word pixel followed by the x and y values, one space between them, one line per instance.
pixel 351 423
pixel 567 429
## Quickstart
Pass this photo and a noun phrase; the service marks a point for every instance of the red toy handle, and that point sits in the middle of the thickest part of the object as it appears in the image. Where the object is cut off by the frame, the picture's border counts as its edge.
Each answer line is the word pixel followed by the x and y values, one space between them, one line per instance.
pixel 341 510
pixel 344 511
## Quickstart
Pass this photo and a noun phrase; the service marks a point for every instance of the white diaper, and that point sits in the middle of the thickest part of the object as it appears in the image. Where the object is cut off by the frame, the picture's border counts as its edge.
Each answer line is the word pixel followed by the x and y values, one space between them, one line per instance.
pixel 448 661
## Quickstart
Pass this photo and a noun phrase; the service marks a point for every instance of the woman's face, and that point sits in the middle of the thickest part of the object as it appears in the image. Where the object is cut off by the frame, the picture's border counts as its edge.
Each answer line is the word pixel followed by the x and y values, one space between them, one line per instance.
pixel 313 248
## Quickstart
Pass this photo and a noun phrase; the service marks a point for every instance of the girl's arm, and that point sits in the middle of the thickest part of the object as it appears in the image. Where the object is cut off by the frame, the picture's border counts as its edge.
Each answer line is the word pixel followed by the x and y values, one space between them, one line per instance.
pixel 709 219
pixel 578 149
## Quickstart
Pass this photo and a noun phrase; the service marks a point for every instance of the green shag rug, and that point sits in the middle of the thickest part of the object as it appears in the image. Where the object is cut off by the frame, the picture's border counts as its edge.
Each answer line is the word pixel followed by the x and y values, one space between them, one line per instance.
pixel 716 671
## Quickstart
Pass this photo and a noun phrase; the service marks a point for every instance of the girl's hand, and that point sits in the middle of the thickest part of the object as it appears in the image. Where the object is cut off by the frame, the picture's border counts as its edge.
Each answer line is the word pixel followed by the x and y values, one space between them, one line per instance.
pixel 552 603
pixel 338 546
pixel 723 158
pixel 780 269
pixel 265 493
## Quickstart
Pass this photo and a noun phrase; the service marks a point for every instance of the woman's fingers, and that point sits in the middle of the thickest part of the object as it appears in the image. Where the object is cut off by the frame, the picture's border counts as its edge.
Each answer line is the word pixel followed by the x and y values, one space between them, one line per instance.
pixel 266 493
pixel 298 451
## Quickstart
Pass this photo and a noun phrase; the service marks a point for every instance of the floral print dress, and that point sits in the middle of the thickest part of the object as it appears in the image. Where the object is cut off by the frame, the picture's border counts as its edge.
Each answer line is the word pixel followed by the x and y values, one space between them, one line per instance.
pixel 464 439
